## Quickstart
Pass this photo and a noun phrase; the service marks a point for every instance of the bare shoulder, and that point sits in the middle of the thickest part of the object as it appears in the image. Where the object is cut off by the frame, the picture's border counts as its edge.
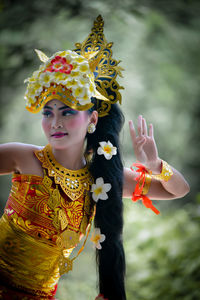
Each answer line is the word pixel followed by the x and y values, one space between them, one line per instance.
pixel 15 156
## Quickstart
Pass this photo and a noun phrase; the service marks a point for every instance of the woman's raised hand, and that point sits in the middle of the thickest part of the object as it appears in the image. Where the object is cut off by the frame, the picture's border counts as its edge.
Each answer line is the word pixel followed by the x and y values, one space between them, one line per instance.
pixel 144 145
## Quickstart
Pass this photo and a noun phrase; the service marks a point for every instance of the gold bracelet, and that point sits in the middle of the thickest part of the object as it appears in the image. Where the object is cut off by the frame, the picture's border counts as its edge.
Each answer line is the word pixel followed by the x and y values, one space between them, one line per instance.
pixel 166 172
pixel 147 184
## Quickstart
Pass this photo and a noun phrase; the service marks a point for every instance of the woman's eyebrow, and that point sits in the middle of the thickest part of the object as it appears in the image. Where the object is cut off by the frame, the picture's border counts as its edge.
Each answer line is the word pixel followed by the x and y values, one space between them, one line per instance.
pixel 60 108
pixel 49 107
pixel 63 107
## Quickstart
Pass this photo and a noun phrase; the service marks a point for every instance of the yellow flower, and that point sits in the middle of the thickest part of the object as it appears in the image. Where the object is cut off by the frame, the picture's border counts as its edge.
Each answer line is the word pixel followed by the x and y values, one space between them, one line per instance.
pixel 79 59
pixel 59 77
pixel 84 67
pixel 45 79
pixel 107 149
pixel 98 238
pixel 78 92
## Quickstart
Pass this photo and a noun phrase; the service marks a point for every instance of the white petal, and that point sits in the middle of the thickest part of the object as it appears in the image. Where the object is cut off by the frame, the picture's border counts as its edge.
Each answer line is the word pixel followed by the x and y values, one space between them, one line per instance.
pixel 107 187
pixel 97 231
pixel 108 155
pixel 99 181
pixel 100 151
pixel 102 144
pixel 114 151
pixel 98 246
pixel 102 239
pixel 103 196
pixel 94 186
pixel 95 197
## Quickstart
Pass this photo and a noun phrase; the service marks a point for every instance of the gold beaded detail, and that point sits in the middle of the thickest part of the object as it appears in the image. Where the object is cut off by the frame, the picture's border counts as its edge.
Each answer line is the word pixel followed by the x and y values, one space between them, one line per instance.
pixel 74 183
pixel 166 172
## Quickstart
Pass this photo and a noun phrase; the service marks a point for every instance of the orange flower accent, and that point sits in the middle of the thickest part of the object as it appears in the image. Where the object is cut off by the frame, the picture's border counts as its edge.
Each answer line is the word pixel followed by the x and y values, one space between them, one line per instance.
pixel 60 64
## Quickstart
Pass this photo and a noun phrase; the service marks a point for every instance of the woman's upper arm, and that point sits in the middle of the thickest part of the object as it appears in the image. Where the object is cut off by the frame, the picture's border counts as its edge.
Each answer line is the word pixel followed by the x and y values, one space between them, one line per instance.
pixel 129 182
pixel 12 156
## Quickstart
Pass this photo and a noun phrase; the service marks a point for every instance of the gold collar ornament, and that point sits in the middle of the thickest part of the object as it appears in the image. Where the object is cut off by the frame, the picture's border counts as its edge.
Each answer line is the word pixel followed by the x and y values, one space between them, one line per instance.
pixel 74 77
pixel 74 183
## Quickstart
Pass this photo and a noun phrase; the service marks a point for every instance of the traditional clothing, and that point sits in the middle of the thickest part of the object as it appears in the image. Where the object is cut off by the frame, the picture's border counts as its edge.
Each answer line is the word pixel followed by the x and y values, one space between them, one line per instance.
pixel 43 221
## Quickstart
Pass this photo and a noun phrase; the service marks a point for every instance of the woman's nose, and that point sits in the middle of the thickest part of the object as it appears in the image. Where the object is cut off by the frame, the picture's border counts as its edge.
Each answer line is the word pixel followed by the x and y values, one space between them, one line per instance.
pixel 57 123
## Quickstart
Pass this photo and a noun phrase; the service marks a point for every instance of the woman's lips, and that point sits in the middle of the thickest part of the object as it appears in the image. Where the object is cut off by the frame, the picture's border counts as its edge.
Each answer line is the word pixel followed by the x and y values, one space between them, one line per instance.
pixel 58 135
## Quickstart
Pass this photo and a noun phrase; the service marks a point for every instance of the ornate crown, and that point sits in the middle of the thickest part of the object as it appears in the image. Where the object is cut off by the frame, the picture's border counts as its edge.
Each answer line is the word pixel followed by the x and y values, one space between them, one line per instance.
pixel 105 68
pixel 74 77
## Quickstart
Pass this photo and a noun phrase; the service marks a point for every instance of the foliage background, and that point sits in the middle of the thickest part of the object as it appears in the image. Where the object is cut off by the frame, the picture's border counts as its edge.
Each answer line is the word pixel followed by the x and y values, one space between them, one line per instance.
pixel 158 43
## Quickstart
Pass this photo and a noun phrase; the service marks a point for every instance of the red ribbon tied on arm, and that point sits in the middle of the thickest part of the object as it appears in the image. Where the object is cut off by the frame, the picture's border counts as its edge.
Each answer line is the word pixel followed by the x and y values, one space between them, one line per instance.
pixel 137 194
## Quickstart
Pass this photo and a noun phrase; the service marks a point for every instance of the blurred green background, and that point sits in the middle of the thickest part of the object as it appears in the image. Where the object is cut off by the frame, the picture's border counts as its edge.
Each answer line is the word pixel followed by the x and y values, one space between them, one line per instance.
pixel 159 45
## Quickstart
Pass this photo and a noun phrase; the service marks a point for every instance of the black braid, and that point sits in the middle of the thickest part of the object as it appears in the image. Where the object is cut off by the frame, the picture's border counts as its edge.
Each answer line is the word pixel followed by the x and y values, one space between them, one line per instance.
pixel 109 213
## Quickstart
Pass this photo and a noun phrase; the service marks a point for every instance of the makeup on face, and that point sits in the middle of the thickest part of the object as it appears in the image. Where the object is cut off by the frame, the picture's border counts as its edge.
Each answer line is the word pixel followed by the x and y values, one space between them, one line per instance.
pixel 63 126
pixel 66 110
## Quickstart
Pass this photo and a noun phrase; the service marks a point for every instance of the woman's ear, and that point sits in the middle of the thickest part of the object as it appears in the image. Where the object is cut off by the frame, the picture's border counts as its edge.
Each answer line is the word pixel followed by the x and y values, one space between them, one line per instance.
pixel 94 117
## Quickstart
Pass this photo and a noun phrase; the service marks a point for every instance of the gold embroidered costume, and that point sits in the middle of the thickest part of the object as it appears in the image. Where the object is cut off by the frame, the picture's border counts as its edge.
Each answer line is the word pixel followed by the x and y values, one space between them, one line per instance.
pixel 44 220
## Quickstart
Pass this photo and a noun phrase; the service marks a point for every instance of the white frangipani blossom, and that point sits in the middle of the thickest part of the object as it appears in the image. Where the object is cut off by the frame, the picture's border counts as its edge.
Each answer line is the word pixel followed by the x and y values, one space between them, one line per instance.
pixel 99 190
pixel 107 149
pixel 98 238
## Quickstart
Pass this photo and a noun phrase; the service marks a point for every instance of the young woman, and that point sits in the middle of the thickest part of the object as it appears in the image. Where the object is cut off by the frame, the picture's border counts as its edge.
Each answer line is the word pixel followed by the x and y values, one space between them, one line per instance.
pixel 58 189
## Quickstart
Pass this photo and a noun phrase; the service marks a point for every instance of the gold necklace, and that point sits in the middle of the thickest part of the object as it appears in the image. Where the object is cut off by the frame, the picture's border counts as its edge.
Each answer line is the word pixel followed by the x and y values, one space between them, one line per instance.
pixel 73 182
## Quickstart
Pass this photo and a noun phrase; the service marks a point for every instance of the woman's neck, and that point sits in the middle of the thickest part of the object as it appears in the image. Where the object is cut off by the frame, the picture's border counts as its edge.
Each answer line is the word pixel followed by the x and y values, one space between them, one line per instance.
pixel 72 159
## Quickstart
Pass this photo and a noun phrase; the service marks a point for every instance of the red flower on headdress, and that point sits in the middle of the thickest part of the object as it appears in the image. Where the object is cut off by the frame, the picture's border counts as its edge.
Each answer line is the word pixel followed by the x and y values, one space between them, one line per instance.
pixel 60 64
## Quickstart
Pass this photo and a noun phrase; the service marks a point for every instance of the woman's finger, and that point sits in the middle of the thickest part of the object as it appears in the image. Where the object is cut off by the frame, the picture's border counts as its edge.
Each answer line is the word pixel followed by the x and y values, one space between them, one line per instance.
pixel 132 131
pixel 144 126
pixel 151 131
pixel 140 127
pixel 141 143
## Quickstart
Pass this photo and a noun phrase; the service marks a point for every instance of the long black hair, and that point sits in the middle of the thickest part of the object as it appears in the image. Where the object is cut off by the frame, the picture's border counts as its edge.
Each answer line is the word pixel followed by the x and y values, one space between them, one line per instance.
pixel 109 213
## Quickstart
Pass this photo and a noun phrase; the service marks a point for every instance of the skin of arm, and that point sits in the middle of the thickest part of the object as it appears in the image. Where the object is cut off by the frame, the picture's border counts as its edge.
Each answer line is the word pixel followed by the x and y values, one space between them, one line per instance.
pixel 146 153
pixel 19 158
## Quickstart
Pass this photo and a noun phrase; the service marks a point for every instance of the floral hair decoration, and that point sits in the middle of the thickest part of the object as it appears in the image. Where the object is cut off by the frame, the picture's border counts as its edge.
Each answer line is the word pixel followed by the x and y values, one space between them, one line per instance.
pixel 66 76
pixel 107 149
pixel 74 77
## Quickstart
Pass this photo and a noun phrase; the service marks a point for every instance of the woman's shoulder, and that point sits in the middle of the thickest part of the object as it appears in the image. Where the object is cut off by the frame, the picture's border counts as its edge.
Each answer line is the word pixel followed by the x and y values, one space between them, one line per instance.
pixel 16 147
pixel 17 157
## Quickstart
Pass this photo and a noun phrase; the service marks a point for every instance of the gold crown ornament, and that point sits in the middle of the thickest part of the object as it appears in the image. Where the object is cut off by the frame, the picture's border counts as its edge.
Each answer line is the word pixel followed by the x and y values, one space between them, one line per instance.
pixel 74 77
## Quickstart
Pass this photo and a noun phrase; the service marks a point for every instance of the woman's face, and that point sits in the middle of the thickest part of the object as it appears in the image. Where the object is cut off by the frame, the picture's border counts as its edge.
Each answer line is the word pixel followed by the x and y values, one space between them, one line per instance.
pixel 65 127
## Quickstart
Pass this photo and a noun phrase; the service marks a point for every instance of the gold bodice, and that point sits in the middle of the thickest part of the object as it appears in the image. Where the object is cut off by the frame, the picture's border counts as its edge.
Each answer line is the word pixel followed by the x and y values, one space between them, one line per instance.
pixel 43 221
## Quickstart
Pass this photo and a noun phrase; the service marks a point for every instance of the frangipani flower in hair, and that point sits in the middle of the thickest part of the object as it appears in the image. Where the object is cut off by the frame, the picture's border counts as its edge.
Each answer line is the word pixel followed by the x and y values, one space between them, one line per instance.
pixel 99 189
pixel 107 149
pixel 98 238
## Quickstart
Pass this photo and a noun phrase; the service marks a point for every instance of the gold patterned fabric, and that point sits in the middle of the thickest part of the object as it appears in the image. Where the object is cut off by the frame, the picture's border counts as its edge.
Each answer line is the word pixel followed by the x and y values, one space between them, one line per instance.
pixel 40 228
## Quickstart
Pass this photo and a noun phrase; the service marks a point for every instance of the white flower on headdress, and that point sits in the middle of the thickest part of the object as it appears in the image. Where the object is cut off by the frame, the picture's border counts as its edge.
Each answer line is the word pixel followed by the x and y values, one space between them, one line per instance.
pixel 92 88
pixel 99 189
pixel 79 59
pixel 85 99
pixel 107 149
pixel 45 79
pixel 98 238
pixel 35 89
pixel 66 68
pixel 60 78
pixel 84 67
pixel 79 91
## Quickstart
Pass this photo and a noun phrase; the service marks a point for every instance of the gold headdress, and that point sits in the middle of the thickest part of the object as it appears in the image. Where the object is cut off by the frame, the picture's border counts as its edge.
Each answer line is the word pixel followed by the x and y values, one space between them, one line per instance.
pixel 74 77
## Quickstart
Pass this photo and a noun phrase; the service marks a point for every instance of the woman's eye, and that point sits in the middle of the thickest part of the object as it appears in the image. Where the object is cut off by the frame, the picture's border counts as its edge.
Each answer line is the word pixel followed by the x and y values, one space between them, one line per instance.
pixel 69 112
pixel 47 113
